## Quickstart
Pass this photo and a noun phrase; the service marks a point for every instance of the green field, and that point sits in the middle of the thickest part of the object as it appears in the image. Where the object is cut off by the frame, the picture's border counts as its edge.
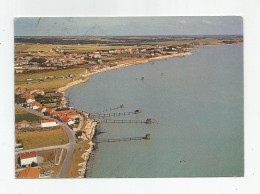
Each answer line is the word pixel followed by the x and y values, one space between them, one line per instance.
pixel 26 116
pixel 29 47
pixel 47 84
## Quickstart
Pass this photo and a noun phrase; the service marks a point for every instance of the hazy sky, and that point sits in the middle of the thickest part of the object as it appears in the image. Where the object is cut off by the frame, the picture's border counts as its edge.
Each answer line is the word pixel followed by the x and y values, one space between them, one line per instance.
pixel 128 26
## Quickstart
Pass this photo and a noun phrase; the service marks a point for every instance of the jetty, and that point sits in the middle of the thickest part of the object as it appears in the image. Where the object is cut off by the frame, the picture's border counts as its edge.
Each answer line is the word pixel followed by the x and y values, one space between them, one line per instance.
pixel 104 115
pixel 146 137
pixel 109 109
pixel 147 121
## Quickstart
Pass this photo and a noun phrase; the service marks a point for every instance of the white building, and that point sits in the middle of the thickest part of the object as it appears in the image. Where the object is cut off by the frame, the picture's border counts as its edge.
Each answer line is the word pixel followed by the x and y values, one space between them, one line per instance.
pixel 27 158
pixel 71 122
pixel 48 123
pixel 42 109
pixel 30 99
pixel 36 105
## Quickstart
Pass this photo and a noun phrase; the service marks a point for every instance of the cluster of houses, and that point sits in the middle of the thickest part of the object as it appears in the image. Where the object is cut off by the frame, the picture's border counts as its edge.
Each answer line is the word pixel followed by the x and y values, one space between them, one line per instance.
pixel 67 116
pixel 64 59
pixel 29 95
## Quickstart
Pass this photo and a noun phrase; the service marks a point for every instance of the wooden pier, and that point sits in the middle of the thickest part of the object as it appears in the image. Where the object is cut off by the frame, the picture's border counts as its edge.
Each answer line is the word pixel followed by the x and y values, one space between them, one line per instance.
pixel 104 115
pixel 108 109
pixel 148 121
pixel 146 137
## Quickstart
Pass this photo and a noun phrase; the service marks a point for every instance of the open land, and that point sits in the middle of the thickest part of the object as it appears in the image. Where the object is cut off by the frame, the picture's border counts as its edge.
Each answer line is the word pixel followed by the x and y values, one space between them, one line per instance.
pixel 41 138
pixel 54 64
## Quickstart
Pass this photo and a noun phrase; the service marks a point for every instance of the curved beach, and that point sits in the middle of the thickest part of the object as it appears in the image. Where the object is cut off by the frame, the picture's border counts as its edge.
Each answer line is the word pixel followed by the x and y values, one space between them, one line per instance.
pixel 90 127
pixel 195 88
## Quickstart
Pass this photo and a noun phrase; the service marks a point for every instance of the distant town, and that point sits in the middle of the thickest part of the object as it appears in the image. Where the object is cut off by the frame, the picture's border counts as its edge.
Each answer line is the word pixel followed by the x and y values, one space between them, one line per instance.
pixel 29 63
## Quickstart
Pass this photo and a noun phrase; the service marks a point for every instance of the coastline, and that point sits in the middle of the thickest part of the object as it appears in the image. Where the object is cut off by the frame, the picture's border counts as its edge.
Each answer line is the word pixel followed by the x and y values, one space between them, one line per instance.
pixel 140 62
pixel 70 85
pixel 90 127
pixel 90 130
pixel 86 75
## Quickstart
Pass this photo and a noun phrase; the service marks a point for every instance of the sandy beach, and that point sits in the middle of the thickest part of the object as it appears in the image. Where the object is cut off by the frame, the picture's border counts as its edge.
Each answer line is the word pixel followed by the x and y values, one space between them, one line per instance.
pixel 86 75
pixel 138 62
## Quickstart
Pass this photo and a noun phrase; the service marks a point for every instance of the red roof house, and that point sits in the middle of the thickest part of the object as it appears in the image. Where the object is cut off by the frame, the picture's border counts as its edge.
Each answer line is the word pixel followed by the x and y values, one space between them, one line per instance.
pixel 23 124
pixel 29 98
pixel 27 158
pixel 42 109
pixel 73 115
pixel 64 118
pixel 37 91
pixel 19 91
pixel 48 123
pixel 49 111
pixel 36 105
pixel 27 155
pixel 29 172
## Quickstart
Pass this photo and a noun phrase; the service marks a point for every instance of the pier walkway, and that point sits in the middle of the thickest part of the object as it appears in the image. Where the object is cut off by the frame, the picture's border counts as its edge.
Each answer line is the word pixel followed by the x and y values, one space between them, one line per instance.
pixel 148 121
pixel 146 137
pixel 108 109
pixel 94 116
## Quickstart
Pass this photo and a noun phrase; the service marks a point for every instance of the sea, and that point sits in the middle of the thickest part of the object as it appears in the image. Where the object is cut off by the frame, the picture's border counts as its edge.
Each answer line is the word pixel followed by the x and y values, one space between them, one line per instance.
pixel 197 101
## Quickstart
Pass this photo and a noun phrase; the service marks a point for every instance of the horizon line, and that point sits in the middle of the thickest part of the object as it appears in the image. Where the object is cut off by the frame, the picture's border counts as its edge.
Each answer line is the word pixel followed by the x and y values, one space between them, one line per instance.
pixel 125 35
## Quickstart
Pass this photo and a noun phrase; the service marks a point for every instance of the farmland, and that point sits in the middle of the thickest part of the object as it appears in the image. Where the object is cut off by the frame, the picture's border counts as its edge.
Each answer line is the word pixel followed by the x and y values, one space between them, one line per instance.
pixel 57 80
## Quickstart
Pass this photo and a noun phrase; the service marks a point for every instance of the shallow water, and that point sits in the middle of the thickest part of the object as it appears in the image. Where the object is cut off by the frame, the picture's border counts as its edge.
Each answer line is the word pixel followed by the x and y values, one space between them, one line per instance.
pixel 198 103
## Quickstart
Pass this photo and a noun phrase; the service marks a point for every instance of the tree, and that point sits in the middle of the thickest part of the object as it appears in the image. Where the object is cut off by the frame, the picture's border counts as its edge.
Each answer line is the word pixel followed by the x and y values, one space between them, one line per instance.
pixel 33 164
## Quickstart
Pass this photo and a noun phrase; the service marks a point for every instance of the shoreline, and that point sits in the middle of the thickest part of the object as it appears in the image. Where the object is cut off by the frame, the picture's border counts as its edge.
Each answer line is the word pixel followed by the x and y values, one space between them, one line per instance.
pixel 90 128
pixel 138 62
pixel 70 85
pixel 88 75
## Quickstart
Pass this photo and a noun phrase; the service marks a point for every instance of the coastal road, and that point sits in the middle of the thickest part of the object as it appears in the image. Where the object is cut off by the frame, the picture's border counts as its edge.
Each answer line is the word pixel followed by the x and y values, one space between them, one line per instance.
pixel 69 146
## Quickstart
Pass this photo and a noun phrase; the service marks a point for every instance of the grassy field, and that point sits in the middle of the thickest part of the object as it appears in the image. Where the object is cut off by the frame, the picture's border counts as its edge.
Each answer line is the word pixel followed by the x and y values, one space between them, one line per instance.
pixel 23 115
pixel 29 47
pixel 76 159
pixel 48 84
pixel 39 139
pixel 26 116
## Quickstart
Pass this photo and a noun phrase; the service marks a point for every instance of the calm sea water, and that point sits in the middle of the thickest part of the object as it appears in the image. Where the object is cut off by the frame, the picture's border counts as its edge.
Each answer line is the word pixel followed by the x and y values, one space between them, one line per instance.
pixel 198 103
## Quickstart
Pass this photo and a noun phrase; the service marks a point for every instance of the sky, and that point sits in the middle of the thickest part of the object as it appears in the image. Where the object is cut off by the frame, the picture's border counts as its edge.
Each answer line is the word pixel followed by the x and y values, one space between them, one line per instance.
pixel 128 26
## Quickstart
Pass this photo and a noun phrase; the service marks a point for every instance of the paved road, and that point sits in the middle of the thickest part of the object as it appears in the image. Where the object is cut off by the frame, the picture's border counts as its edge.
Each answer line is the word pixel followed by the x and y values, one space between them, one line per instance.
pixel 69 146
pixel 42 149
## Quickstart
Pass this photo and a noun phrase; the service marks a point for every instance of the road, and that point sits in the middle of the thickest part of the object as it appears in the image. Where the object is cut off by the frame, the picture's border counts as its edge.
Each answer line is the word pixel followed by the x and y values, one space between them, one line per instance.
pixel 69 146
